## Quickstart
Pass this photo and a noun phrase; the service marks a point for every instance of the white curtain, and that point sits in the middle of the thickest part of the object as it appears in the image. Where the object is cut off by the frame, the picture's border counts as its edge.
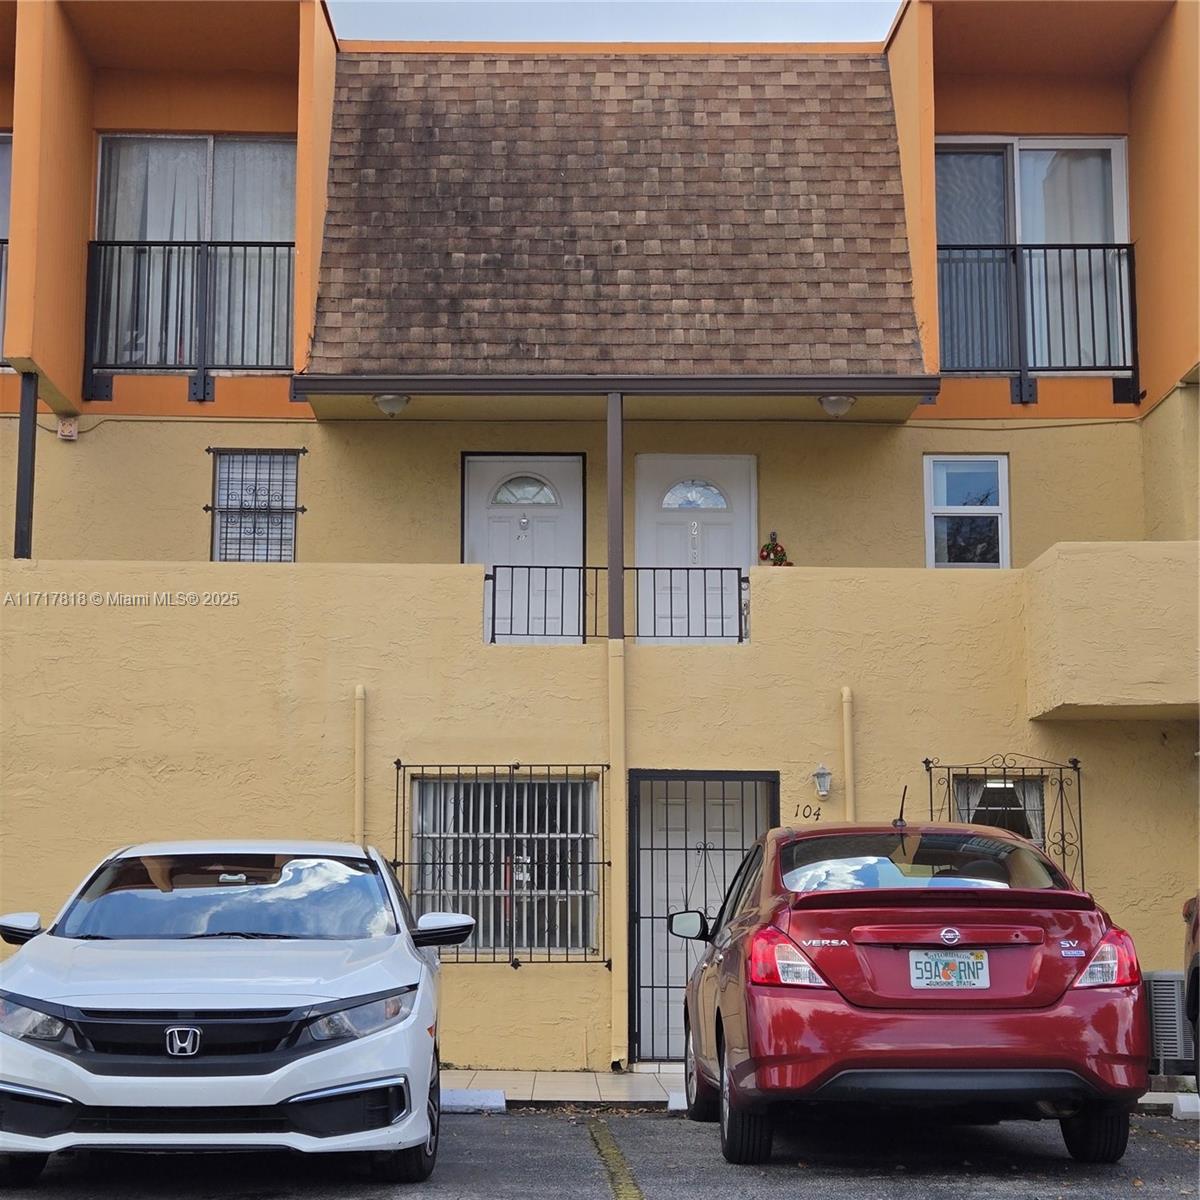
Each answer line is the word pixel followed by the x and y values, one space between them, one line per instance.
pixel 253 201
pixel 968 789
pixel 152 192
pixel 157 192
pixel 1016 804
pixel 1076 297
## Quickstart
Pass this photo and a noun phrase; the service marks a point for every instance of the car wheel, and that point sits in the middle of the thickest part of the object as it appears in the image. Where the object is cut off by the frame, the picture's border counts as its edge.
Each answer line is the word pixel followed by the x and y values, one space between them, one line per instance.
pixel 702 1097
pixel 745 1135
pixel 416 1163
pixel 1097 1134
pixel 21 1170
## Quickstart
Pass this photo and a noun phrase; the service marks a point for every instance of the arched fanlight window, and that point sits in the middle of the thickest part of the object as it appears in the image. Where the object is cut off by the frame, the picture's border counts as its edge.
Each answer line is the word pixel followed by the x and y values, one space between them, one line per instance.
pixel 524 489
pixel 695 493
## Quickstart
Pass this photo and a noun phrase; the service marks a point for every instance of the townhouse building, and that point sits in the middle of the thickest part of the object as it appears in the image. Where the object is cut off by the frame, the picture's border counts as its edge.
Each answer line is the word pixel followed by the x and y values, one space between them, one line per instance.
pixel 555 464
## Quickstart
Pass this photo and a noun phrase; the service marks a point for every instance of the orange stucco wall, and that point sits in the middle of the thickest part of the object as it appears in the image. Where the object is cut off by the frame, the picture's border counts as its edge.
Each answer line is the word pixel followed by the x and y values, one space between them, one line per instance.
pixel 1164 174
pixel 318 68
pixel 1024 104
pixel 51 202
pixel 910 64
pixel 222 102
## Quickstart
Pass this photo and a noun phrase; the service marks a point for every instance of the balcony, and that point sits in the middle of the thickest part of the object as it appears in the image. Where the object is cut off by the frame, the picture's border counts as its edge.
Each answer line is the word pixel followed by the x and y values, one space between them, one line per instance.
pixel 1023 310
pixel 564 604
pixel 199 307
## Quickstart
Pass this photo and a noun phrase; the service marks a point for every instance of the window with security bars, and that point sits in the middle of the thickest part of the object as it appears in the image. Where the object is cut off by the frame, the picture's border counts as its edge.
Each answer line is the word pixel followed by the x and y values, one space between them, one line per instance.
pixel 520 853
pixel 254 506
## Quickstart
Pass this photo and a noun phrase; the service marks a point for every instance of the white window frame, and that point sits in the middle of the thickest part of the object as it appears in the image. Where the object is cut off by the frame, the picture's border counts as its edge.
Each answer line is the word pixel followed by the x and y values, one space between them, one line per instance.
pixel 1116 146
pixel 1000 510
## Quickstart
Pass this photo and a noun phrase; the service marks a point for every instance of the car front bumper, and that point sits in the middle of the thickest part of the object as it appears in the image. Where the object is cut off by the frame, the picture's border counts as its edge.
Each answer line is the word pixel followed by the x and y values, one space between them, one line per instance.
pixel 369 1094
pixel 1092 1044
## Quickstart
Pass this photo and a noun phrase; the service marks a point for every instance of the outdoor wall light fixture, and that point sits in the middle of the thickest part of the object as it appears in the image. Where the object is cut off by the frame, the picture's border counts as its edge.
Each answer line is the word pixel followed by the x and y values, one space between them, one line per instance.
pixel 391 403
pixel 822 777
pixel 837 406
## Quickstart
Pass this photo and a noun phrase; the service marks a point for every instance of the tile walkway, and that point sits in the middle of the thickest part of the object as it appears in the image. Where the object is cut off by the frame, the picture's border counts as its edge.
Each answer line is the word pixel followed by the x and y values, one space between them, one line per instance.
pixel 634 1087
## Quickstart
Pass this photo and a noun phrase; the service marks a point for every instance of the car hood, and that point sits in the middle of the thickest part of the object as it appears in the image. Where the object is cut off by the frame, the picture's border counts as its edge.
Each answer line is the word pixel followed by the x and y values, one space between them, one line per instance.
pixel 205 974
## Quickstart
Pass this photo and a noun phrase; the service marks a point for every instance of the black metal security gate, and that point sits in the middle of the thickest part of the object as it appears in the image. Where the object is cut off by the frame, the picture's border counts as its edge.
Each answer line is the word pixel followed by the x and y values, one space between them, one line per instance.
pixel 688 832
pixel 1036 798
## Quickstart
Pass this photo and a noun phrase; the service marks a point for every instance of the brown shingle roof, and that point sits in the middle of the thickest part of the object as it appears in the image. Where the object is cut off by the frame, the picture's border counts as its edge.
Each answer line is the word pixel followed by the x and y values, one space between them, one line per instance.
pixel 715 213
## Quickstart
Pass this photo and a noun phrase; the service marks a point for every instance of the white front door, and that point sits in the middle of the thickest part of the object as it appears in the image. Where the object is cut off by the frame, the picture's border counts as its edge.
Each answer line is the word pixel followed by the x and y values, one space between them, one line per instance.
pixel 523 519
pixel 695 517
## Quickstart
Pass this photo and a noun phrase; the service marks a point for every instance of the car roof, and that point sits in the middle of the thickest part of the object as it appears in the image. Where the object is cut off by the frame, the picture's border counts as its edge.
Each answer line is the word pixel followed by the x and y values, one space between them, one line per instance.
pixel 229 846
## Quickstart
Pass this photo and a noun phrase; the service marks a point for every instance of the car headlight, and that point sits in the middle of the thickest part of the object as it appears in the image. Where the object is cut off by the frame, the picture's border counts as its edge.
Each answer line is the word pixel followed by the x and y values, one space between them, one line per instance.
pixel 28 1024
pixel 361 1019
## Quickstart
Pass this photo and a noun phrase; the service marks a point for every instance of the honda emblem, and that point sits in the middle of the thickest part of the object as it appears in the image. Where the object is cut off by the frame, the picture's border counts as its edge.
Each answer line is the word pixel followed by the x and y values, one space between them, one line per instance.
pixel 183 1041
pixel 950 936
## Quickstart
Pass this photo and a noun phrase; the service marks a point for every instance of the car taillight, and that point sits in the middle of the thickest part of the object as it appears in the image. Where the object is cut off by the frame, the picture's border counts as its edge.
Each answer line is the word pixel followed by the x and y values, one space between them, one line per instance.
pixel 1114 964
pixel 775 959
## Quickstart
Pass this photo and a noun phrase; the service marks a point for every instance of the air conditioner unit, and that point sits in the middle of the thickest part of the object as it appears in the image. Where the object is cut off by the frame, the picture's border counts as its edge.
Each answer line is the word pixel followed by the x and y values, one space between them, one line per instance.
pixel 1171 1038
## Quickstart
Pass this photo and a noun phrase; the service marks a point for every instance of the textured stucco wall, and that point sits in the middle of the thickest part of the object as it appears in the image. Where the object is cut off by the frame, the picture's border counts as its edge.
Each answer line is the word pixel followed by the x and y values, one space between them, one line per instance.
pixel 389 491
pixel 1170 449
pixel 118 724
pixel 1111 630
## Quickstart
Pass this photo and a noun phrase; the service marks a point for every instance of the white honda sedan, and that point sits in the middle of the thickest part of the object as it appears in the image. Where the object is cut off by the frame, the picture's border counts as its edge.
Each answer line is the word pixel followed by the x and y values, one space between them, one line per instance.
pixel 226 995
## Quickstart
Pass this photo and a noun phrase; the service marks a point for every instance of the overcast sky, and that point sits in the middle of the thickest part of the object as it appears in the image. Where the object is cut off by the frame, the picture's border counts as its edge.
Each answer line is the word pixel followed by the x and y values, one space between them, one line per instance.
pixel 615 20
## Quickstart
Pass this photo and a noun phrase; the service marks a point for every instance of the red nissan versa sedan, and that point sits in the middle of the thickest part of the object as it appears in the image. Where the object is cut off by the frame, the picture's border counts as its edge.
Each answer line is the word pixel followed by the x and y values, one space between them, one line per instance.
pixel 950 967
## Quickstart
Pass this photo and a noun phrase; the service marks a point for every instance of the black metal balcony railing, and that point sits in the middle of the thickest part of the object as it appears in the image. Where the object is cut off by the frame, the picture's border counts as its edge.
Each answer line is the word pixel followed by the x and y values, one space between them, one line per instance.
pixel 535 603
pixel 1024 309
pixel 188 306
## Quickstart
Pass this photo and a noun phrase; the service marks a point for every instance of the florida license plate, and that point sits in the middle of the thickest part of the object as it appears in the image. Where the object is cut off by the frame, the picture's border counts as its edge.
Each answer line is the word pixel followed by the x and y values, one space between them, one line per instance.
pixel 948 969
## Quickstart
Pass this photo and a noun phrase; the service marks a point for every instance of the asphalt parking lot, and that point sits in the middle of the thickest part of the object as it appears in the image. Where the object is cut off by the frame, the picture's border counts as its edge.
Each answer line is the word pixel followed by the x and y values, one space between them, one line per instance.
pixel 544 1155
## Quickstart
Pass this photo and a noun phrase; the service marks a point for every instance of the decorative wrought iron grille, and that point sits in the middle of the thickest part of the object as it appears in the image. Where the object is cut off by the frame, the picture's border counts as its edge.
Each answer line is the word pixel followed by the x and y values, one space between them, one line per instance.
pixel 254 505
pixel 1034 797
pixel 518 847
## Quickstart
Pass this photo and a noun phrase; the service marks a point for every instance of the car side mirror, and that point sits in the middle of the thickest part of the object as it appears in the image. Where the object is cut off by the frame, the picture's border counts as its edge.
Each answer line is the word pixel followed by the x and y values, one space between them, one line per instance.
pixel 1189 909
pixel 691 924
pixel 18 928
pixel 443 929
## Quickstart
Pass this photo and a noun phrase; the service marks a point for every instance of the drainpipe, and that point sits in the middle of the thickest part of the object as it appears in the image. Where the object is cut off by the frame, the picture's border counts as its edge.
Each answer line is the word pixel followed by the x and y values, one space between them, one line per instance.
pixel 360 764
pixel 848 752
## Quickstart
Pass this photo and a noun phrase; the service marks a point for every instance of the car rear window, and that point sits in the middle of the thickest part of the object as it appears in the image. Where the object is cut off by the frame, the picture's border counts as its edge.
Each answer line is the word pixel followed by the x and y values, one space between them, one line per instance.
pixel 846 862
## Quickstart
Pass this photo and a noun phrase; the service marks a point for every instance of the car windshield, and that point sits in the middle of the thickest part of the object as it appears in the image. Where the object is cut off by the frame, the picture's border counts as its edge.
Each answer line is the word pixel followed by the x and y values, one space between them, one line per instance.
pixel 231 895
pixel 952 859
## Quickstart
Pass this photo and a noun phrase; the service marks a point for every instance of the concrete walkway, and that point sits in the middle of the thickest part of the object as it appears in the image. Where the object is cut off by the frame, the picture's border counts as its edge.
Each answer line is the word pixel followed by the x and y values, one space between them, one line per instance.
pixel 647 1084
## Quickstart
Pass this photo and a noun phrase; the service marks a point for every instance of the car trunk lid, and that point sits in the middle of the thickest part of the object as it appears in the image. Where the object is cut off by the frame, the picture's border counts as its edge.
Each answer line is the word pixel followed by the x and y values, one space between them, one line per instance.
pixel 917 948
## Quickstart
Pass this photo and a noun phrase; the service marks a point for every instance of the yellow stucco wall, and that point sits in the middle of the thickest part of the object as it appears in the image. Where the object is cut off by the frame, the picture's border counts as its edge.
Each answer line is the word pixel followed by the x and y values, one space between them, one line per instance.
pixel 1170 447
pixel 838 494
pixel 1122 657
pixel 124 723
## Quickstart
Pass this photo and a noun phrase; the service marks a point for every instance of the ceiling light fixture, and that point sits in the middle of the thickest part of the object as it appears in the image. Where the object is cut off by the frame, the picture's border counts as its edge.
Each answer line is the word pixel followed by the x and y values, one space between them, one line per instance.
pixel 391 403
pixel 837 406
